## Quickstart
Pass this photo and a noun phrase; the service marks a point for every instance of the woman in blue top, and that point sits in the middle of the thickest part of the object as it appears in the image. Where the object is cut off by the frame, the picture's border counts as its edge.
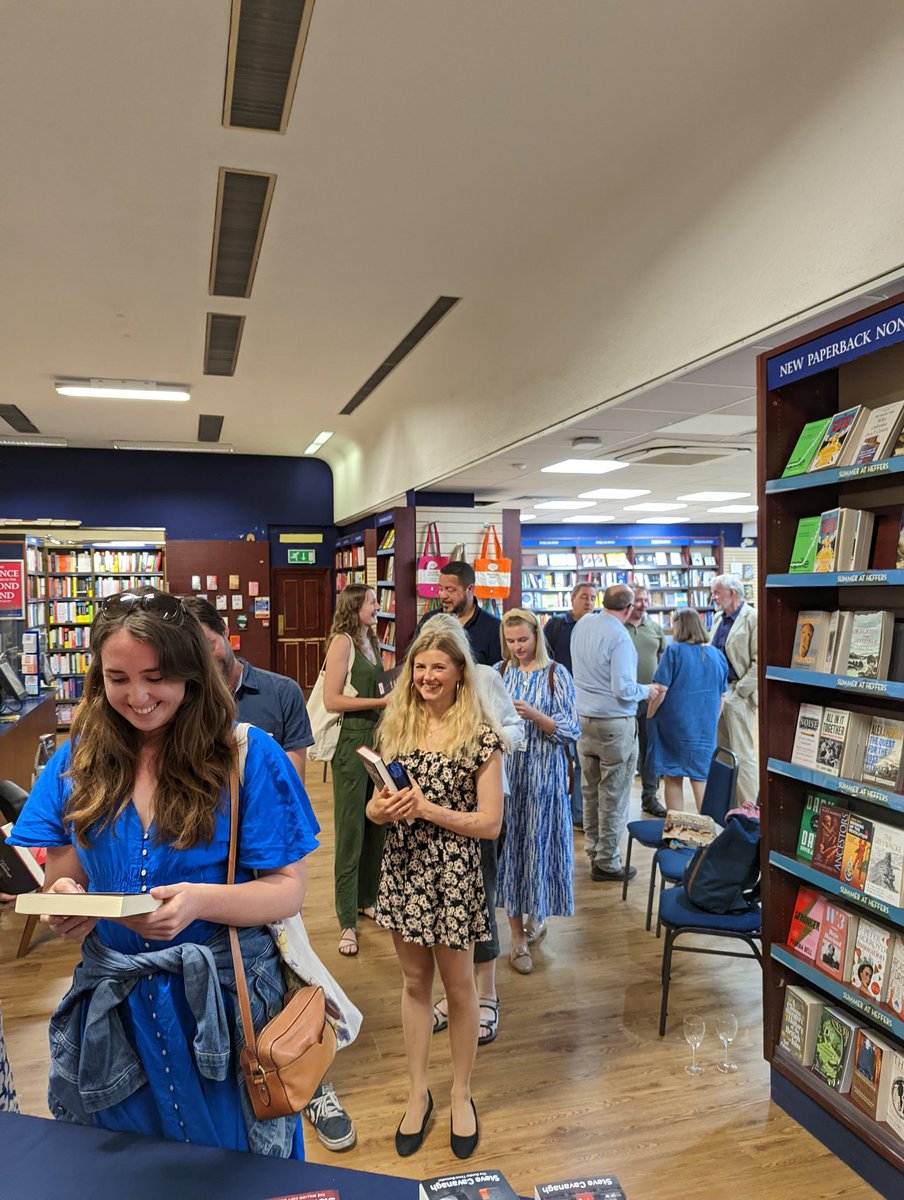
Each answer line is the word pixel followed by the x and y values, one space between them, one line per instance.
pixel 146 1039
pixel 681 731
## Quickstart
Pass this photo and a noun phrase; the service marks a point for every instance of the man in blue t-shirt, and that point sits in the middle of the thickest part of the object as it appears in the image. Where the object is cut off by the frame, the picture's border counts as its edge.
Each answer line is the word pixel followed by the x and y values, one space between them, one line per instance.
pixel 275 704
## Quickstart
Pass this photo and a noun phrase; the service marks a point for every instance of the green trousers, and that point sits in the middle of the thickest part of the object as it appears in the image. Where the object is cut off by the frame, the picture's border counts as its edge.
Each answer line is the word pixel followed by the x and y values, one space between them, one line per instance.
pixel 359 842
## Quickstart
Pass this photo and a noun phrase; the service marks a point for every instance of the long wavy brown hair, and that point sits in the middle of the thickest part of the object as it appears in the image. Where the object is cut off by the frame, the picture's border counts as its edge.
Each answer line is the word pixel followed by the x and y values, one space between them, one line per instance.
pixel 346 618
pixel 196 752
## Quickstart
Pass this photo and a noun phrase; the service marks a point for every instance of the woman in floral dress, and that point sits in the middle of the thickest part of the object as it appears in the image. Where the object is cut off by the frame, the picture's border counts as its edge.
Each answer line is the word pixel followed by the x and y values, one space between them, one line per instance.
pixel 431 891
pixel 8 1102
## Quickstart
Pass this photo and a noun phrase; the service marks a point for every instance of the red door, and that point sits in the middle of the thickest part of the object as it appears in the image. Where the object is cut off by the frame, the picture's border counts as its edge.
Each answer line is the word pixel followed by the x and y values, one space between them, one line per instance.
pixel 301 621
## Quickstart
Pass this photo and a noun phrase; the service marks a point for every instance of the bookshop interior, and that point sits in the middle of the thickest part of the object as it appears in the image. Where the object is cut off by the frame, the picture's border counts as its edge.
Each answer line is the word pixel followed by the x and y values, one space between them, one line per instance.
pixel 502 406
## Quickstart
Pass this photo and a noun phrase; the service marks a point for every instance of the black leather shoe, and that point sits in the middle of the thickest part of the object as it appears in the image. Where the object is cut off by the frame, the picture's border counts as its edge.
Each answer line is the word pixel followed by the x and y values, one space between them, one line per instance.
pixel 407 1143
pixel 600 876
pixel 464 1147
pixel 654 809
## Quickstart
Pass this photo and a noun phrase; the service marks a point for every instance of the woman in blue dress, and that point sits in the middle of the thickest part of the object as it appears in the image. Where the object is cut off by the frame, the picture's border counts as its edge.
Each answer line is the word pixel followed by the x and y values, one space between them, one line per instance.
pixel 146 1039
pixel 681 731
pixel 536 866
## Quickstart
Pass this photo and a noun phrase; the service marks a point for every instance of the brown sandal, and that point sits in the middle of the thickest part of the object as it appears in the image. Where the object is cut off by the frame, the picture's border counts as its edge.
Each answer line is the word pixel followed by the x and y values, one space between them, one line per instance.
pixel 348 943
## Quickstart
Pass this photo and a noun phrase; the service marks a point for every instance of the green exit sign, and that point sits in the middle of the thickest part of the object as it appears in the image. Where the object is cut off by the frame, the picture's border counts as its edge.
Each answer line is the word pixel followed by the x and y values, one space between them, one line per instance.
pixel 305 558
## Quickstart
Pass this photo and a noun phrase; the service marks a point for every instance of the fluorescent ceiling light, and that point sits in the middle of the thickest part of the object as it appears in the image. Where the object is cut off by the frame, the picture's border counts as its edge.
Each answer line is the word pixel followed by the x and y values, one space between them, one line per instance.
pixel 662 521
pixel 318 441
pixel 587 520
pixel 33 441
pixel 176 447
pixel 584 466
pixel 735 508
pixel 614 493
pixel 714 497
pixel 566 504
pixel 528 517
pixel 650 506
pixel 122 389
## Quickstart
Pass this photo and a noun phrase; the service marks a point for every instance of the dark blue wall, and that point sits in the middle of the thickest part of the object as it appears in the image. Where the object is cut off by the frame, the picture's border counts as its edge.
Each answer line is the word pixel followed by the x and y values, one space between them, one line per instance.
pixel 192 496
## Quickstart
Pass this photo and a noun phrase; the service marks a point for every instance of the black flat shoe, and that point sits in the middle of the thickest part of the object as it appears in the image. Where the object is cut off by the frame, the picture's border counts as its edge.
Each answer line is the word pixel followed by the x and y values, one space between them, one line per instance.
pixel 407 1143
pixel 464 1147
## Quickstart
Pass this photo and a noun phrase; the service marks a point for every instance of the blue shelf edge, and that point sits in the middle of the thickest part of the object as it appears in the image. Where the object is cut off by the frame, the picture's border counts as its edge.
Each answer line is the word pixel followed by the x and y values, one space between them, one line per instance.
pixel 836 475
pixel 832 783
pixel 879 1016
pixel 825 883
pixel 838 683
pixel 878 578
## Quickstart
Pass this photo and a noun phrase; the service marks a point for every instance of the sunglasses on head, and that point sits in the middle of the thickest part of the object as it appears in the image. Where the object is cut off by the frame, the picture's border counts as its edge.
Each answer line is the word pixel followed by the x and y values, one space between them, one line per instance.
pixel 158 604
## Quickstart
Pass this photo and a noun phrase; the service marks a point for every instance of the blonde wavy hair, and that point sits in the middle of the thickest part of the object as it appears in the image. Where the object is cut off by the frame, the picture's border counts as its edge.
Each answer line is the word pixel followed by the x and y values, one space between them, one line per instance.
pixel 403 726
pixel 346 618
pixel 520 616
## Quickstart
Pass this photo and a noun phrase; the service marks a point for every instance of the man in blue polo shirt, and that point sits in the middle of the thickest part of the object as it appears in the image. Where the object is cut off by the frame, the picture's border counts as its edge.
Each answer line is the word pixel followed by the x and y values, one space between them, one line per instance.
pixel 456 595
pixel 275 704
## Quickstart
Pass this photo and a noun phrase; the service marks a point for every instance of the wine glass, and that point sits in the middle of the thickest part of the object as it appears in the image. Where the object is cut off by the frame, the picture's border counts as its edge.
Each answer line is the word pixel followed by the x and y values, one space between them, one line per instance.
pixel 727 1029
pixel 694 1029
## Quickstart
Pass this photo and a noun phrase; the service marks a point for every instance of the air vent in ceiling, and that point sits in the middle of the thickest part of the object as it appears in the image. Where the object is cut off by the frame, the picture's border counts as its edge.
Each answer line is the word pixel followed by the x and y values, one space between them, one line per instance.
pixel 209 428
pixel 243 204
pixel 665 453
pixel 417 333
pixel 221 343
pixel 15 417
pixel 266 42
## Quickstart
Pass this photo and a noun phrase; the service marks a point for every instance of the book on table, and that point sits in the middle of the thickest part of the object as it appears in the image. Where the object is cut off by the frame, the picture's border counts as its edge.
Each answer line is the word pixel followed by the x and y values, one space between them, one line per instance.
pixel 872 1054
pixel 21 868
pixel 869 969
pixel 806 543
pixel 87 904
pixel 808 442
pixel 588 1187
pixel 800 1022
pixel 883 754
pixel 468 1185
pixel 885 872
pixel 843 428
pixel 833 1055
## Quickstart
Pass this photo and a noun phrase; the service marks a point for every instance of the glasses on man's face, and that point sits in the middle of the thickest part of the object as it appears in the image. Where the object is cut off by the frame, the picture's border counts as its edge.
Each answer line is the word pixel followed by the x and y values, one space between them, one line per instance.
pixel 158 604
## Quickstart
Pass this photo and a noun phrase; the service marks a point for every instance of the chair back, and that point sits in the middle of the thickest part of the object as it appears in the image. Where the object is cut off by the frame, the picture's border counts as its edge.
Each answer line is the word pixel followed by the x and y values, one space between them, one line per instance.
pixel 721 785
pixel 12 798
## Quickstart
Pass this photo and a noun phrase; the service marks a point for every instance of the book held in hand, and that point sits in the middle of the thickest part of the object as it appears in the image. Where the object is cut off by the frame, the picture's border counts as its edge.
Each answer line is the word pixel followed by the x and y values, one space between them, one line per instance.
pixel 469 1185
pixel 21 868
pixel 833 1055
pixel 800 1023
pixel 87 904
pixel 808 442
pixel 590 1187
pixel 385 775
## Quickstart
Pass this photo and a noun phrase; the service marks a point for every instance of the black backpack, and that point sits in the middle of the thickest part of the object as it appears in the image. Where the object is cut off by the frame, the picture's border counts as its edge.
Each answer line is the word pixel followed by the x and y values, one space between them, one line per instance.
pixel 723 877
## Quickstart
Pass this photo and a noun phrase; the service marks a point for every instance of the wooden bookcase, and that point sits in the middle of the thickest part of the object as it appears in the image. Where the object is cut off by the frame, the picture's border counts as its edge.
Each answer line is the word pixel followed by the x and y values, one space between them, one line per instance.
pixel 677 571
pixel 810 378
pixel 395 583
pixel 354 558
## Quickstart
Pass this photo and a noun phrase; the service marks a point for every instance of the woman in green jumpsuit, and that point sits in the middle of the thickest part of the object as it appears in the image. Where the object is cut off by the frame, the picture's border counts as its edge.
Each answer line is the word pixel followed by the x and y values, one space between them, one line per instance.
pixel 359 842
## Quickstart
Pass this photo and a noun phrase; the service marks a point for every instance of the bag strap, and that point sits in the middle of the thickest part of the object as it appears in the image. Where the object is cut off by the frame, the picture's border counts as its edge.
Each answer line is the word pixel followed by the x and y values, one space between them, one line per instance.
pixel 497 548
pixel 241 983
pixel 431 538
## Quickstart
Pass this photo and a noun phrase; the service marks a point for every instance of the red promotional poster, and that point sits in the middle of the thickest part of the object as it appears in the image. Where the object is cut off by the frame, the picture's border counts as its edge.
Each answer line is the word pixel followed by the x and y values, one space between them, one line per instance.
pixel 12 586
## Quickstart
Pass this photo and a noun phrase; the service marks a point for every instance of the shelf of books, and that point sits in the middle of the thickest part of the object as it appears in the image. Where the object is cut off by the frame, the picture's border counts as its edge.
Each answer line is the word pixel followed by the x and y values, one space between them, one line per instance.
pixel 831 448
pixel 395 585
pixel 677 573
pixel 354 558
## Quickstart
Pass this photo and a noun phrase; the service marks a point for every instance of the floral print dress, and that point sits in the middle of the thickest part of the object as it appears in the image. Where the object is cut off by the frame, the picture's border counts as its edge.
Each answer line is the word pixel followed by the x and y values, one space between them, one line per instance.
pixel 8 1101
pixel 431 886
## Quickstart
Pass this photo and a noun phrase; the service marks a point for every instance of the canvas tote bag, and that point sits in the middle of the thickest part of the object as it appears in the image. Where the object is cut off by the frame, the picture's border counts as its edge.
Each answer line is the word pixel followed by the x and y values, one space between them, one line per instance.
pixel 430 564
pixel 325 725
pixel 493 572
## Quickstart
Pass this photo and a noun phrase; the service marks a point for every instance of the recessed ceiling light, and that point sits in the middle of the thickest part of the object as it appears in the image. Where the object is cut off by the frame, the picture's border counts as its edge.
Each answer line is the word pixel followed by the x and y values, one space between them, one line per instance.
pixel 651 506
pixel 614 493
pixel 566 504
pixel 587 520
pixel 584 466
pixel 318 441
pixel 714 497
pixel 33 441
pixel 528 517
pixel 176 447
pixel 735 508
pixel 662 521
pixel 122 389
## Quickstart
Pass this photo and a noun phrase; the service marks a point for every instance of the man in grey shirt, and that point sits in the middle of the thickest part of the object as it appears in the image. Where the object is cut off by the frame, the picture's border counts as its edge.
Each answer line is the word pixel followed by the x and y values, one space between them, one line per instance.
pixel 607 691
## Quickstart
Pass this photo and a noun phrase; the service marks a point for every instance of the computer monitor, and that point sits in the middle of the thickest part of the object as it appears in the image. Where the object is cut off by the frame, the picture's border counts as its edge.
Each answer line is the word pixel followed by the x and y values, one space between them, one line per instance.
pixel 10 683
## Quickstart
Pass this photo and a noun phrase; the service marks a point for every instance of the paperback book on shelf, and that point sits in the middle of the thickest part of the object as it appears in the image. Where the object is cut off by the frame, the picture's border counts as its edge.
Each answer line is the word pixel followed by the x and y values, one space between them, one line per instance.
pixel 801 1015
pixel 806 923
pixel 836 941
pixel 810 638
pixel 827 541
pixel 833 1055
pixel 869 647
pixel 810 440
pixel 831 830
pixel 855 540
pixel 894 996
pixel 879 434
pixel 843 428
pixel 886 865
pixel 855 852
pixel 883 754
pixel 869 967
pixel 803 552
pixel 589 1187
pixel 806 735
pixel 871 1054
pixel 806 838
pixel 894 1095
pixel 469 1185
pixel 842 739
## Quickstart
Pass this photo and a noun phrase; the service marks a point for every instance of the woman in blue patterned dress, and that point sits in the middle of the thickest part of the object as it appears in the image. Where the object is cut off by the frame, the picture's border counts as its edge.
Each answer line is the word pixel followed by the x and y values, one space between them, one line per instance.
pixel 146 1040
pixel 536 867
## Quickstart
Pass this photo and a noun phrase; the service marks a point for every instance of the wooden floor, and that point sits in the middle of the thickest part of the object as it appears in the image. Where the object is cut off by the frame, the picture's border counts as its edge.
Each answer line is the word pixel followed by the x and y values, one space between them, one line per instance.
pixel 578 1080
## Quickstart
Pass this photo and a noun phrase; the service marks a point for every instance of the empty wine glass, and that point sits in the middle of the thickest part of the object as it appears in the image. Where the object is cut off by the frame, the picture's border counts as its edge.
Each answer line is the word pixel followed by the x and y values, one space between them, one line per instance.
pixel 694 1029
pixel 727 1029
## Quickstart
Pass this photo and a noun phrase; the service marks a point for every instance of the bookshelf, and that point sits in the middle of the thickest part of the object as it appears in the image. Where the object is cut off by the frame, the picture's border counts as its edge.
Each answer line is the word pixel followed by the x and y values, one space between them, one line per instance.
pixel 676 572
pixel 354 560
pixel 395 582
pixel 795 387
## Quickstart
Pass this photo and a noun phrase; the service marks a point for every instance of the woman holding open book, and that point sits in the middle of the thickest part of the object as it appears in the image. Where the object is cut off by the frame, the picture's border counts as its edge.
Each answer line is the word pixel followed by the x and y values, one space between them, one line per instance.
pixel 138 803
pixel 351 670
pixel 682 724
pixel 431 892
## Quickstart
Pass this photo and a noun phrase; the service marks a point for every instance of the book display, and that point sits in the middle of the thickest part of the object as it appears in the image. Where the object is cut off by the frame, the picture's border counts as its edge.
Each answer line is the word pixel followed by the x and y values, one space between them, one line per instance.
pixel 352 557
pixel 678 573
pixel 831 733
pixel 395 582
